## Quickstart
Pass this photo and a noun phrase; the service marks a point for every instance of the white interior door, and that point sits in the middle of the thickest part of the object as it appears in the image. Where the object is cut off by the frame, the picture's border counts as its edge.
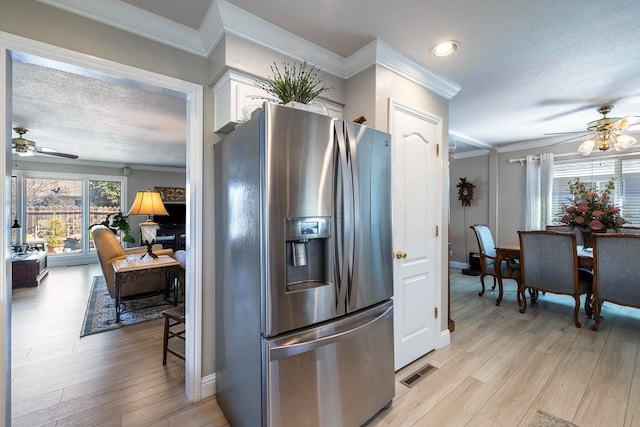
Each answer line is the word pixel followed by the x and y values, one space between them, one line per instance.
pixel 415 212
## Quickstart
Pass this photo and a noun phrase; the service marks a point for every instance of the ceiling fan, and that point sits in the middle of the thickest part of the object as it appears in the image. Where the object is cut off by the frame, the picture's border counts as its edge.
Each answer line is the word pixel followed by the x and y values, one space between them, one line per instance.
pixel 26 147
pixel 607 132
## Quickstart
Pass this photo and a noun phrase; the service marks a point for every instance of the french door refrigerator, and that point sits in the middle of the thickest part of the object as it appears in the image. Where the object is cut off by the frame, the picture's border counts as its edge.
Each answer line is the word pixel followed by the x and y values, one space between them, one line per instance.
pixel 304 327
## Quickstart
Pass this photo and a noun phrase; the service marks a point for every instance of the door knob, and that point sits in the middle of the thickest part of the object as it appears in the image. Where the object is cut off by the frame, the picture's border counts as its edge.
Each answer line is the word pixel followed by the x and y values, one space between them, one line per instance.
pixel 401 255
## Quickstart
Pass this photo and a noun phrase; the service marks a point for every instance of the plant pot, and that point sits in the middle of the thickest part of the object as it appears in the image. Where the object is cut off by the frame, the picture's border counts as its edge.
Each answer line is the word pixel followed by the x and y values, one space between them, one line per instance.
pixel 587 237
pixel 55 248
pixel 314 108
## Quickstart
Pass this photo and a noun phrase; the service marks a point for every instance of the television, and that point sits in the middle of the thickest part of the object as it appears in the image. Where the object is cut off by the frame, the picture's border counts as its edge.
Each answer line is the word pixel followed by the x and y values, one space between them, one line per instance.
pixel 177 216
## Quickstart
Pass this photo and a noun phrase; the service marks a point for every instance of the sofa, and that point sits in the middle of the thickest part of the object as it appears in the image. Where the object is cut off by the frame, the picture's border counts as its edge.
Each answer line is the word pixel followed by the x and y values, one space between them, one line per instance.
pixel 109 250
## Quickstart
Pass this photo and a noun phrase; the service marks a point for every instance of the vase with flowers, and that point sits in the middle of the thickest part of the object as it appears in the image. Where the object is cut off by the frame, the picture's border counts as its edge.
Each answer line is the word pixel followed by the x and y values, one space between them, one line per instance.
pixel 591 211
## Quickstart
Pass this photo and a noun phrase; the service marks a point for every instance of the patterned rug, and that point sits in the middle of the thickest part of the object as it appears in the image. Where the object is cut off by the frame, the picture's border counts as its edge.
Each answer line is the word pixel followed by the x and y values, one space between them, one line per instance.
pixel 544 419
pixel 101 309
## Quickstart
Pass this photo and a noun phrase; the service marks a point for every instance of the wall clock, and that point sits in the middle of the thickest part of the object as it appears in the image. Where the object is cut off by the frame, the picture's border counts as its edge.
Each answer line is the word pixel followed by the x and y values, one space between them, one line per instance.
pixel 465 191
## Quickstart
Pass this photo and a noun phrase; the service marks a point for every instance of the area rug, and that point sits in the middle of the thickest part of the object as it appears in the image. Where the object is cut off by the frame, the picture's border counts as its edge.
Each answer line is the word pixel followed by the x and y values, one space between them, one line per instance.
pixel 544 419
pixel 101 309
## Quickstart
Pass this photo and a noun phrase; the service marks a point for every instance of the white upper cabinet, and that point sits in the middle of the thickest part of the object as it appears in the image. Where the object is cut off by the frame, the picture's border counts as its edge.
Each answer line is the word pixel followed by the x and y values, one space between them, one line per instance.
pixel 236 95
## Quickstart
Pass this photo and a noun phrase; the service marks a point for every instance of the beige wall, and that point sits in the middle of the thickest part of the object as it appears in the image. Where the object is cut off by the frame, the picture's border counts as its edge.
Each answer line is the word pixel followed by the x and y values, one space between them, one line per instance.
pixel 360 92
pixel 463 240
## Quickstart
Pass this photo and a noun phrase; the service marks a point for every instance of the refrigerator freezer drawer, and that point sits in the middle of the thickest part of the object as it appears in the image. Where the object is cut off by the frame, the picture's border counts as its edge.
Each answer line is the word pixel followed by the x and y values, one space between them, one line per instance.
pixel 337 374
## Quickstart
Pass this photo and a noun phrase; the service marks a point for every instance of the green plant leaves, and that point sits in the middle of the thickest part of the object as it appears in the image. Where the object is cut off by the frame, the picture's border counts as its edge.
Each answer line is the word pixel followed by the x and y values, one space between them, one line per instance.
pixel 295 82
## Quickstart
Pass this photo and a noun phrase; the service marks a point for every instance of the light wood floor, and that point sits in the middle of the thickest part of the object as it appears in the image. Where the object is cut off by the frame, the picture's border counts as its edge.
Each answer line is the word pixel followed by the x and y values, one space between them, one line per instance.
pixel 500 367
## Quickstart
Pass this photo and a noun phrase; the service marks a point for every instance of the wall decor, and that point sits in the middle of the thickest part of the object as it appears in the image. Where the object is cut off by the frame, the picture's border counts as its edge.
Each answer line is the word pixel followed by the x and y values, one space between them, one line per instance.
pixel 465 191
pixel 171 194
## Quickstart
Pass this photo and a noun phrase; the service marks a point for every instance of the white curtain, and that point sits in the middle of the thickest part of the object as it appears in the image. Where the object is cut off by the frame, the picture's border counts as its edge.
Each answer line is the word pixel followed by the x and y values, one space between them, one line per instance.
pixel 539 185
pixel 546 189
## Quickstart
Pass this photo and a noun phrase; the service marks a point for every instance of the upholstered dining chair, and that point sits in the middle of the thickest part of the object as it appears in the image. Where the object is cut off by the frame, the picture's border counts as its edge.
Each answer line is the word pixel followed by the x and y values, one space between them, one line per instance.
pixel 510 269
pixel 614 278
pixel 549 262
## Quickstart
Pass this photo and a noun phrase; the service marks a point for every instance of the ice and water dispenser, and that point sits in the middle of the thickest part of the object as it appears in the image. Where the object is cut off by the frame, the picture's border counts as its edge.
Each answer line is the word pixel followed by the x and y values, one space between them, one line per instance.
pixel 308 252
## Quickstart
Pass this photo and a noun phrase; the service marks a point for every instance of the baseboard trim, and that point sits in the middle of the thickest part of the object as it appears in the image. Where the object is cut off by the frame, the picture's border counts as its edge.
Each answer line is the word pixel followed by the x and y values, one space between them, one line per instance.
pixel 208 385
pixel 445 339
pixel 458 265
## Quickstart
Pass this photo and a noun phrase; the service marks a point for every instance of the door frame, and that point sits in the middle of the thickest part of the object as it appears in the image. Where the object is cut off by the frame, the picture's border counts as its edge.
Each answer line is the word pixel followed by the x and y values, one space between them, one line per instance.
pixel 193 94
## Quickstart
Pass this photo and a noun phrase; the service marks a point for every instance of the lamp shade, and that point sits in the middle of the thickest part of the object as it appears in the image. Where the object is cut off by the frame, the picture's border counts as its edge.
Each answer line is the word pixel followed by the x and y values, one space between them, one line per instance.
pixel 148 203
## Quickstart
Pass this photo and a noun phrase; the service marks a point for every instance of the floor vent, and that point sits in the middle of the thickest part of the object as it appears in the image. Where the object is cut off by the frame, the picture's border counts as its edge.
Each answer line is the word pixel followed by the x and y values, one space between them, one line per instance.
pixel 412 379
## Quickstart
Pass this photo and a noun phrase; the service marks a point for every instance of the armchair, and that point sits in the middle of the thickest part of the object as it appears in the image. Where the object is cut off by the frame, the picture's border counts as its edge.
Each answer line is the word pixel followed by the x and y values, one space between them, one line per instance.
pixel 109 250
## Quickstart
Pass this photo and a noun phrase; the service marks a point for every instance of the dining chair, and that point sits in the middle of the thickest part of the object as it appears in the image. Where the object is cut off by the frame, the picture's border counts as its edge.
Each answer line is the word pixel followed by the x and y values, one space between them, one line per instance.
pixel 614 277
pixel 549 262
pixel 509 269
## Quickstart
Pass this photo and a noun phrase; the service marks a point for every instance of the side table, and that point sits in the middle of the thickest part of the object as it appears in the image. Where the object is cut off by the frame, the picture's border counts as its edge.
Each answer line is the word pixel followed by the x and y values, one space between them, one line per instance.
pixel 28 268
pixel 163 266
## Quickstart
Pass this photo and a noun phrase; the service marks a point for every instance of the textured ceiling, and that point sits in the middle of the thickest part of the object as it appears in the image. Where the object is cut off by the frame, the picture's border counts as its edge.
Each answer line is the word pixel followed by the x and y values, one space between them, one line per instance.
pixel 98 120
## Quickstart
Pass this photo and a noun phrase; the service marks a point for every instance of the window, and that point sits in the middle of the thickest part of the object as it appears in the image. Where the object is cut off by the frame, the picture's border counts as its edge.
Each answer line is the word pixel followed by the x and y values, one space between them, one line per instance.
pixel 58 209
pixel 54 213
pixel 596 172
pixel 104 198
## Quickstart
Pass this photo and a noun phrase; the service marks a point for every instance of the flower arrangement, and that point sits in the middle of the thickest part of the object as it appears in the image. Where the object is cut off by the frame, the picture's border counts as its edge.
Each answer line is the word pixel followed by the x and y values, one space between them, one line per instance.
pixel 591 210
pixel 299 83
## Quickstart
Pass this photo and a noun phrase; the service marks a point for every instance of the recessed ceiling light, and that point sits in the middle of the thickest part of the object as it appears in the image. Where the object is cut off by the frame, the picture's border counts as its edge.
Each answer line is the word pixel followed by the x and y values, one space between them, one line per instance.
pixel 445 48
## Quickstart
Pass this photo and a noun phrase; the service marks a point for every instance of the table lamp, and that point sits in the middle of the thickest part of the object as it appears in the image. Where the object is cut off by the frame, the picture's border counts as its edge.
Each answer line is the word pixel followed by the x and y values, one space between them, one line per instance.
pixel 16 228
pixel 148 203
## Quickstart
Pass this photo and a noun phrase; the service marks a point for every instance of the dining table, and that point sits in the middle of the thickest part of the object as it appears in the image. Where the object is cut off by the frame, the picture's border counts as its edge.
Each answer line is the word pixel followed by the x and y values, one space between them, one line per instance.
pixel 510 252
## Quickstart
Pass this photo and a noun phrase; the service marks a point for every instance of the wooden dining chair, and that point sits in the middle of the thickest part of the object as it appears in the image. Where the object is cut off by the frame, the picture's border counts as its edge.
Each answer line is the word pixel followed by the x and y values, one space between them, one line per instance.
pixel 614 277
pixel 549 262
pixel 510 269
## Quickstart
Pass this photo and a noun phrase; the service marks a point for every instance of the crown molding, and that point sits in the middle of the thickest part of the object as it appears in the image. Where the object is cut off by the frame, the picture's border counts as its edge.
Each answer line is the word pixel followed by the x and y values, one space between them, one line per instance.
pixel 223 17
pixel 134 20
pixel 398 62
pixel 243 24
pixel 470 154
pixel 468 140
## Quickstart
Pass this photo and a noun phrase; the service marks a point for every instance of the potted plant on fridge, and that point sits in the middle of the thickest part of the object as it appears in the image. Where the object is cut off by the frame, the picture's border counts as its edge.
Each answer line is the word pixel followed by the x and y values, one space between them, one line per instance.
pixel 295 83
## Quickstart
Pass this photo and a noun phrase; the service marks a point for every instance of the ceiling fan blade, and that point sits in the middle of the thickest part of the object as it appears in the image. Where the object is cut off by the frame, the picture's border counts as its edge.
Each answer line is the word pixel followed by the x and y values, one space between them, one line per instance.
pixel 52 152
pixel 584 135
pixel 569 133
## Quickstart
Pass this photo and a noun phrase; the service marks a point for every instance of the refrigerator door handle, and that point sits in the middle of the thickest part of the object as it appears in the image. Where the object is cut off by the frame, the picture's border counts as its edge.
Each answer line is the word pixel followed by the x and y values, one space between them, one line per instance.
pixel 355 238
pixel 342 233
pixel 288 350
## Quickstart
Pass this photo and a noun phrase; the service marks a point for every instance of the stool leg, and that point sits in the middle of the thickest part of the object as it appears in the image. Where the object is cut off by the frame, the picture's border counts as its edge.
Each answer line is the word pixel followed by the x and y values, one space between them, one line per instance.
pixel 165 342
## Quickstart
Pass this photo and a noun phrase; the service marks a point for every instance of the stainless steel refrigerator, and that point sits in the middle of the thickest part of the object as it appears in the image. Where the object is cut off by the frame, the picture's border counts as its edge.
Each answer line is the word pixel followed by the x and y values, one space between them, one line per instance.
pixel 304 316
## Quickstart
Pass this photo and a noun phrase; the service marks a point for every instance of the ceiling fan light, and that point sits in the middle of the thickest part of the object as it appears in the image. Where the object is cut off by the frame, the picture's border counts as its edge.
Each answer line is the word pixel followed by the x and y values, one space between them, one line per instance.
pixel 587 147
pixel 623 142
